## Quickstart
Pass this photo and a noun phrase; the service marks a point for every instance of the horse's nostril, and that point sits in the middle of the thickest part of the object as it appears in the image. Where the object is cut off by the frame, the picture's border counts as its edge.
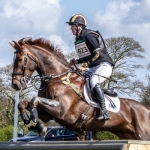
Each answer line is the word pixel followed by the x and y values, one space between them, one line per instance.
pixel 14 86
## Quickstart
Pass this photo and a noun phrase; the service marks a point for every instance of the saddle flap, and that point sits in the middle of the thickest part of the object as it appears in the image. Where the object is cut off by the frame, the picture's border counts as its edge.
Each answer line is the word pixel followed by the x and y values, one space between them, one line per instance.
pixel 112 102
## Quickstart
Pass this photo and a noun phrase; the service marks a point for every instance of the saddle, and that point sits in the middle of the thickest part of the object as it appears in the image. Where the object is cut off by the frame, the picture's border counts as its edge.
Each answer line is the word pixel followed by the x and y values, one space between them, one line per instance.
pixel 109 92
pixel 111 98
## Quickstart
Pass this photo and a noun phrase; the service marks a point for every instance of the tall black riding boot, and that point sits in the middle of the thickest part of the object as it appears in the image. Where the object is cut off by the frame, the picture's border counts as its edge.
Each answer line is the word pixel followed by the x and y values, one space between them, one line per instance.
pixel 99 95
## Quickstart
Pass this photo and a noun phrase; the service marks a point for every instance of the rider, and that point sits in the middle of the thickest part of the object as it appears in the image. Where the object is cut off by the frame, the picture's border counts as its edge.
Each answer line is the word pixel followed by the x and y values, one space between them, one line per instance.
pixel 93 55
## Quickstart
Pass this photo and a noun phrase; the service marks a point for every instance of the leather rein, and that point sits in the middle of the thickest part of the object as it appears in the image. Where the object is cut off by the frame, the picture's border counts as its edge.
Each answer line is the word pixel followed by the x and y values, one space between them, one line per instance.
pixel 32 80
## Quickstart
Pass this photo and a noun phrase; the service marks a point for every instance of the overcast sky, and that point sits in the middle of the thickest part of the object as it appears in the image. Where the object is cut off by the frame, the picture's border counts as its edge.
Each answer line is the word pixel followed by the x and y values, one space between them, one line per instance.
pixel 46 18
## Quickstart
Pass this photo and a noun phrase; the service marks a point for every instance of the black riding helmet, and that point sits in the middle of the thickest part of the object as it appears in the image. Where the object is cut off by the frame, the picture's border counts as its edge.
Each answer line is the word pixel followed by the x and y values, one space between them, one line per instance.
pixel 77 19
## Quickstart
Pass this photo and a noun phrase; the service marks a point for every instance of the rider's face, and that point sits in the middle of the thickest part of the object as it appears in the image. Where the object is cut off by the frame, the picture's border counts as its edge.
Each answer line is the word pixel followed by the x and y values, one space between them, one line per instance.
pixel 73 29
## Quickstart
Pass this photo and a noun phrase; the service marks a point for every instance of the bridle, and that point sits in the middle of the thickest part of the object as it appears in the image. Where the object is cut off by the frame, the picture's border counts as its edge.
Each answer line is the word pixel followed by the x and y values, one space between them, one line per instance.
pixel 28 80
pixel 24 65
pixel 25 77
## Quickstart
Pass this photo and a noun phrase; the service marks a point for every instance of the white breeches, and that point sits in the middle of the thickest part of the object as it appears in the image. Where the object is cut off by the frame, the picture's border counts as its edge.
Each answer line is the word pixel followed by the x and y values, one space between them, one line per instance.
pixel 104 69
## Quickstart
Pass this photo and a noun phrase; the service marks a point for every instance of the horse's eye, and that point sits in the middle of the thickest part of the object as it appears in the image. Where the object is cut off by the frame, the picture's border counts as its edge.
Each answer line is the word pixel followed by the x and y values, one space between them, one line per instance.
pixel 19 59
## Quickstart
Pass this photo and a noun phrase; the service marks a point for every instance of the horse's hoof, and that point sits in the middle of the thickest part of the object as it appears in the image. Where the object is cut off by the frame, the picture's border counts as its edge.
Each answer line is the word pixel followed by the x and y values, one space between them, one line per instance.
pixel 43 133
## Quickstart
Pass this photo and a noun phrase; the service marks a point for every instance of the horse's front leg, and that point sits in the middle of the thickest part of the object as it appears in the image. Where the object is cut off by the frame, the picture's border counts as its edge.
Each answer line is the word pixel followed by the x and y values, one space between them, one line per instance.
pixel 35 124
pixel 22 107
pixel 32 121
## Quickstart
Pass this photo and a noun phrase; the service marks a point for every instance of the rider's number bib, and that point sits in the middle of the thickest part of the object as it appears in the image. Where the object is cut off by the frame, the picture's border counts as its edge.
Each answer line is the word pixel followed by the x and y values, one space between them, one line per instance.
pixel 81 49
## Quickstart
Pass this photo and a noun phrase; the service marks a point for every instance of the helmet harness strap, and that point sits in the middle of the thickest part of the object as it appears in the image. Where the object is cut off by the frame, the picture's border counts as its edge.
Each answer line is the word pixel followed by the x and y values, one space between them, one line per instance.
pixel 78 29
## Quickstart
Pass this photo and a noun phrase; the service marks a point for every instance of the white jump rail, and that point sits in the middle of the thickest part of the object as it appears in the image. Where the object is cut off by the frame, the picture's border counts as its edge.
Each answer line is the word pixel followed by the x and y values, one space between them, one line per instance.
pixel 78 145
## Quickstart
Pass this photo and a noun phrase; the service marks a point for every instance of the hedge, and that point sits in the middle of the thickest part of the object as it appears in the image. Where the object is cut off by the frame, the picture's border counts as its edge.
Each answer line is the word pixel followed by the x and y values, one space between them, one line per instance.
pixel 105 135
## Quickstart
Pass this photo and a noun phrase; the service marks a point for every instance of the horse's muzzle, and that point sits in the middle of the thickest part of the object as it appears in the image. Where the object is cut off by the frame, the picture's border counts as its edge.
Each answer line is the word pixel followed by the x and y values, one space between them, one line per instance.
pixel 16 87
pixel 19 87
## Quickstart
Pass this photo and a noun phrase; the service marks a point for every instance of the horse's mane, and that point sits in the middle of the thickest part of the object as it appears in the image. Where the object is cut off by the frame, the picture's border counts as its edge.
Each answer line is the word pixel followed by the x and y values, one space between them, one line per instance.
pixel 41 42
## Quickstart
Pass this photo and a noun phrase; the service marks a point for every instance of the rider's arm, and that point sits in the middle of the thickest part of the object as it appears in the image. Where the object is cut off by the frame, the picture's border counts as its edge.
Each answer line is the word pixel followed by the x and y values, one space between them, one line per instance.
pixel 95 43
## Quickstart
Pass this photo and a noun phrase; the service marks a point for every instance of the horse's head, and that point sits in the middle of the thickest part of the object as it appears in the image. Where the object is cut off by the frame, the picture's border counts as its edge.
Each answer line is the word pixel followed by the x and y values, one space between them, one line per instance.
pixel 23 67
pixel 39 55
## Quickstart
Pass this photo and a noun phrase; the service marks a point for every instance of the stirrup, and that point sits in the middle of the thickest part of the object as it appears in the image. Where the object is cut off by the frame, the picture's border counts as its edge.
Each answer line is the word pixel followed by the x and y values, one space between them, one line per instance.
pixel 107 115
pixel 101 117
pixel 104 116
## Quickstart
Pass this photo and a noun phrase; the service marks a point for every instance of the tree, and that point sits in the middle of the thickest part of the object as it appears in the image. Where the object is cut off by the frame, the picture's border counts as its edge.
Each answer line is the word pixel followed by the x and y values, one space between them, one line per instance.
pixel 7 96
pixel 124 51
pixel 144 94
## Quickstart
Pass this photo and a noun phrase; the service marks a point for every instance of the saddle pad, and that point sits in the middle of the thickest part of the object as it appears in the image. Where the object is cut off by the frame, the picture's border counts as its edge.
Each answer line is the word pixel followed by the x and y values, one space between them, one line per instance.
pixel 112 103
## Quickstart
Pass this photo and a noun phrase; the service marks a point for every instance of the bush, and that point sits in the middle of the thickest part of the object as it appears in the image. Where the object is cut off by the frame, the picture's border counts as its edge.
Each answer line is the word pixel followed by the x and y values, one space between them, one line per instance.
pixel 105 135
pixel 6 133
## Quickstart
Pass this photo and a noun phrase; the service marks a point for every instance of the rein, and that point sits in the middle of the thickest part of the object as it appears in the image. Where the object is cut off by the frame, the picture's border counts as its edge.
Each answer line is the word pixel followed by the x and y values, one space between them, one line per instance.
pixel 65 80
pixel 29 81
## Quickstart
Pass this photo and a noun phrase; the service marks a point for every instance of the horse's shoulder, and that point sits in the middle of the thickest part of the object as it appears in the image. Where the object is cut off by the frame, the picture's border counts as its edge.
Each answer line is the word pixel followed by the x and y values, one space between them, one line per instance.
pixel 75 77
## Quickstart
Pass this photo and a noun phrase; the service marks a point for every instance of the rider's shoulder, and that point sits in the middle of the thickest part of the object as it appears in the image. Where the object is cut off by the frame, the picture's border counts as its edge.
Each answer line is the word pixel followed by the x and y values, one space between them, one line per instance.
pixel 89 33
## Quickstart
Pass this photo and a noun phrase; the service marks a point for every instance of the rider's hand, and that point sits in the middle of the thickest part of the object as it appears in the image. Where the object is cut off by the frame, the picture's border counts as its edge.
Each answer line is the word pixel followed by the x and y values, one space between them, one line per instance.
pixel 73 60
pixel 81 68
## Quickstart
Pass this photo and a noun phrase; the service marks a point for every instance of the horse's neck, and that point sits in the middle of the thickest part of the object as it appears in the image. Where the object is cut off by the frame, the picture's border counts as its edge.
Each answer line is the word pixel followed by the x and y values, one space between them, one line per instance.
pixel 48 63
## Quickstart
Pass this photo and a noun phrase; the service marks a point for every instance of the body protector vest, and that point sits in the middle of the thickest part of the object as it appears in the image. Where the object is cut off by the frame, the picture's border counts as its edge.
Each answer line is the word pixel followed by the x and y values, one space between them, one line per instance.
pixel 82 49
pixel 86 52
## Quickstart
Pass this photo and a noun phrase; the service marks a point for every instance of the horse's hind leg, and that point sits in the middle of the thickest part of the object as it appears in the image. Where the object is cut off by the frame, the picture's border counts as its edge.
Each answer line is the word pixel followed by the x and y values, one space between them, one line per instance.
pixel 80 133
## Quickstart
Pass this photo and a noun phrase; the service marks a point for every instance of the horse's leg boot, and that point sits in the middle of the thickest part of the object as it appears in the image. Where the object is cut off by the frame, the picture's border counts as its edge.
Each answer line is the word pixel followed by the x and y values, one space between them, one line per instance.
pixel 26 119
pixel 99 95
pixel 40 128
pixel 34 115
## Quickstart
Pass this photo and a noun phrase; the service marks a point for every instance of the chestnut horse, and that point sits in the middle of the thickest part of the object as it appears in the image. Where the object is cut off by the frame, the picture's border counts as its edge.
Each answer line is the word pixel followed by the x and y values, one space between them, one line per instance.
pixel 131 122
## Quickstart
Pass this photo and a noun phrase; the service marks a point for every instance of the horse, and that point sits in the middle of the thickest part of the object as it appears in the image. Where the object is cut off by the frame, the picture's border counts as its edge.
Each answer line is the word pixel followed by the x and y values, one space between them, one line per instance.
pixel 65 105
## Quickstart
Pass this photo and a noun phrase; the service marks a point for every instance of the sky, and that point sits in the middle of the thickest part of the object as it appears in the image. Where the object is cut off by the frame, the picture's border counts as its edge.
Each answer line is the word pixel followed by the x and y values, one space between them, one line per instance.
pixel 46 18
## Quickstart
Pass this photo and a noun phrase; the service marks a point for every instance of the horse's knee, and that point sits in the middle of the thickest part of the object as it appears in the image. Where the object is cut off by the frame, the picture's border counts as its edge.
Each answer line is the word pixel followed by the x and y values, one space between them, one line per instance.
pixel 34 102
pixel 22 106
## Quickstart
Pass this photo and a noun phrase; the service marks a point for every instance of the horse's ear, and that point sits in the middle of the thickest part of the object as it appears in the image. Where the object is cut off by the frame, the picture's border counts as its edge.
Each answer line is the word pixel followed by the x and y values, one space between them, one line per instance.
pixel 13 45
pixel 16 46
